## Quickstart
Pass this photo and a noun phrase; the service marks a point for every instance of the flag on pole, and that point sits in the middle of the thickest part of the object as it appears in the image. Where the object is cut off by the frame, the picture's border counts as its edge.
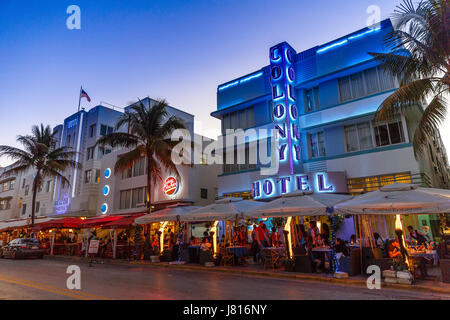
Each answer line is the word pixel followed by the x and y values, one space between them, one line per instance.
pixel 83 94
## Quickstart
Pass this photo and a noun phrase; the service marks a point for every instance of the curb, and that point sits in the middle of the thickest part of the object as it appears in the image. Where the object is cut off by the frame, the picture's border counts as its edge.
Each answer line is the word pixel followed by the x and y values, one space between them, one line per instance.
pixel 291 276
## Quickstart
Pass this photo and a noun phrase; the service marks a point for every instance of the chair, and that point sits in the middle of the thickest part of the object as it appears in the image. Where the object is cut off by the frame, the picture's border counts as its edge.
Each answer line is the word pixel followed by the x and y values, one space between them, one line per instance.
pixel 226 257
pixel 303 263
pixel 271 258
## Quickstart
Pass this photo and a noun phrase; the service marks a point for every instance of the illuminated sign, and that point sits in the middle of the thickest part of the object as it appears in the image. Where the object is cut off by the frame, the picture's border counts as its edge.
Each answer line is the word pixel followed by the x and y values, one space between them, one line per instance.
pixel 319 182
pixel 61 206
pixel 170 186
pixel 285 111
pixel 104 208
pixel 107 173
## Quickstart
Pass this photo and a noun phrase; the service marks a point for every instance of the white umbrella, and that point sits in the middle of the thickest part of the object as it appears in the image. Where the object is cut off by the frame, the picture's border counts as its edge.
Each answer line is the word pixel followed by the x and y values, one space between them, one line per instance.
pixel 222 210
pixel 171 213
pixel 303 203
pixel 398 198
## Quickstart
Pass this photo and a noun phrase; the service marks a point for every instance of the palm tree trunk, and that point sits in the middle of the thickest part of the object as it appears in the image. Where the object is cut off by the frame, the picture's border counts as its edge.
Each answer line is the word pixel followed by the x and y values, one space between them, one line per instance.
pixel 149 183
pixel 33 204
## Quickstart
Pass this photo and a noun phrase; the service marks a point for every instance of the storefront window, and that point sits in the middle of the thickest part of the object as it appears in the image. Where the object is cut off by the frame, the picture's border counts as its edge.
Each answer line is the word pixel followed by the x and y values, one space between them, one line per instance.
pixel 358 186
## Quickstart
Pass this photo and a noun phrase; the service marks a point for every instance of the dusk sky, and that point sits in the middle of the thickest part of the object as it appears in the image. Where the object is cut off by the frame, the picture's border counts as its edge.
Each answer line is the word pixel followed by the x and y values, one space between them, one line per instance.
pixel 178 50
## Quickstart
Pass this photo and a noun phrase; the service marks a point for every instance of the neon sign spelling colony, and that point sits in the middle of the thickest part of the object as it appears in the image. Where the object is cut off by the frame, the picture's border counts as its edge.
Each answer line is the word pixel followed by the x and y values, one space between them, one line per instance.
pixel 285 112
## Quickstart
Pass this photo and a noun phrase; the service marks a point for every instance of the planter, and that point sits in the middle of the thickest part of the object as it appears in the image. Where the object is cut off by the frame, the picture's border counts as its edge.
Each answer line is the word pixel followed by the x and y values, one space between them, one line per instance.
pixel 154 258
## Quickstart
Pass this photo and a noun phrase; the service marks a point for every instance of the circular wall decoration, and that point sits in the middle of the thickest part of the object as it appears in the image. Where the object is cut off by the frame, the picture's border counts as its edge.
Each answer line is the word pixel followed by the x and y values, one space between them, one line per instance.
pixel 108 173
pixel 171 186
pixel 105 190
pixel 104 208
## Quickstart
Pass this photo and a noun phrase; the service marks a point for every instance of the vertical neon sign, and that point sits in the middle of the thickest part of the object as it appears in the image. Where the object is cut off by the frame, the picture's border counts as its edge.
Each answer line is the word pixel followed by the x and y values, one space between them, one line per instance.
pixel 285 112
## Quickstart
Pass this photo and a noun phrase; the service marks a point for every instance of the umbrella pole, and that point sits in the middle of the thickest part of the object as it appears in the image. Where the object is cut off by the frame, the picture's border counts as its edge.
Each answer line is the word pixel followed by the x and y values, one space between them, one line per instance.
pixel 52 244
pixel 115 244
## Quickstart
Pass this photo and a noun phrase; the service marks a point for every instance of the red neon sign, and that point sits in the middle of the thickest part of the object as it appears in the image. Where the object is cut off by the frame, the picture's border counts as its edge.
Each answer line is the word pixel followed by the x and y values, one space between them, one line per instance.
pixel 170 186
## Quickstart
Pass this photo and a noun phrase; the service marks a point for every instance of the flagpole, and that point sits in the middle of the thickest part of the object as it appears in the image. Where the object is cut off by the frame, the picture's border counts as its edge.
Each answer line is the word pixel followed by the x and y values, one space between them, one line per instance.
pixel 79 98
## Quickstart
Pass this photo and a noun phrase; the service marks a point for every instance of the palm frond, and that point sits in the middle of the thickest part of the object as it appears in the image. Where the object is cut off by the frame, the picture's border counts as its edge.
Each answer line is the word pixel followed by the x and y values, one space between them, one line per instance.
pixel 126 160
pixel 430 122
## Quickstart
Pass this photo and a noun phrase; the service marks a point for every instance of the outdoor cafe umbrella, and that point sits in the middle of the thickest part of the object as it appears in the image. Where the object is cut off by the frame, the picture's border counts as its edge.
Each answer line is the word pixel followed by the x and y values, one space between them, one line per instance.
pixel 302 203
pixel 171 213
pixel 227 209
pixel 398 198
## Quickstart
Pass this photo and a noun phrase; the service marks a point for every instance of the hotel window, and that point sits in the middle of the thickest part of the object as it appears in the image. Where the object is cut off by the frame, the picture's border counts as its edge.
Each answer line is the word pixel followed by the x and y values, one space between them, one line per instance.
pixel 312 99
pixel 88 176
pixel 92 131
pixel 389 133
pixel 97 175
pixel 23 183
pixel 204 193
pixel 12 184
pixel 47 188
pixel 104 130
pixel 27 189
pixel 365 83
pixel 90 153
pixel 139 167
pixel 102 151
pixel 138 197
pixel 38 206
pixel 68 140
pixel 317 145
pixel 125 199
pixel 242 119
pixel 358 137
pixel 24 209
pixel 127 173
pixel 5 186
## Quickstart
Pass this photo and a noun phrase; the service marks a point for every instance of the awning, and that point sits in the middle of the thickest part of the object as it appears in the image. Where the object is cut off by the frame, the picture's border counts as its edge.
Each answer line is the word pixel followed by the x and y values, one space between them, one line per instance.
pixel 124 222
pixel 9 225
pixel 72 223
pixel 97 222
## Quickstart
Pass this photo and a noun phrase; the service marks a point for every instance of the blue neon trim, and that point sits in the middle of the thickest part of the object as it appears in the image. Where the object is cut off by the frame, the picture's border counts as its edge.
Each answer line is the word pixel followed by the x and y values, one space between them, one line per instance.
pixel 241 81
pixel 345 41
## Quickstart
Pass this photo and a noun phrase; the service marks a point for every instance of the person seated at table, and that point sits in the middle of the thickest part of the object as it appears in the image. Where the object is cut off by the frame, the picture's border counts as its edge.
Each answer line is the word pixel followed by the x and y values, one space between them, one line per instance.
pixel 274 238
pixel 353 239
pixel 309 251
pixel 302 235
pixel 416 235
pixel 320 240
pixel 206 245
pixel 155 244
pixel 243 236
pixel 313 231
pixel 326 234
pixel 266 235
pixel 193 241
pixel 379 242
pixel 341 249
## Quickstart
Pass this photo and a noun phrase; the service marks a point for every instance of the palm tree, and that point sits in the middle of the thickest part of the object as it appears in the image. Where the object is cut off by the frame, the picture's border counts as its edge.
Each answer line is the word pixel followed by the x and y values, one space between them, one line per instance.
pixel 419 57
pixel 40 155
pixel 148 135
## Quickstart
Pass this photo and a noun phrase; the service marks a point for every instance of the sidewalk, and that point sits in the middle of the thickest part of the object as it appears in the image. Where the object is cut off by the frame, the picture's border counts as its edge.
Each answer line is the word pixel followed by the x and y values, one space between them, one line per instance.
pixel 257 270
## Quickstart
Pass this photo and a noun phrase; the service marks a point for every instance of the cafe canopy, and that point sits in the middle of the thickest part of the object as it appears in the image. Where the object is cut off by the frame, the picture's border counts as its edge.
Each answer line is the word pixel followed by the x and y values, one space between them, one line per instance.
pixel 301 203
pixel 9 225
pixel 227 209
pixel 171 213
pixel 398 198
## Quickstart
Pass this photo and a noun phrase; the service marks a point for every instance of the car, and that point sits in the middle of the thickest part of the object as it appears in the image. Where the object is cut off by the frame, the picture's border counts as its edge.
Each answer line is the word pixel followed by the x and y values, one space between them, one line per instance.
pixel 23 248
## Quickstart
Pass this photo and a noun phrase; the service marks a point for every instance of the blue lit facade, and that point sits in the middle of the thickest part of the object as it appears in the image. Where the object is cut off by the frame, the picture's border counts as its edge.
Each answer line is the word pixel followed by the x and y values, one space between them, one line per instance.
pixel 321 102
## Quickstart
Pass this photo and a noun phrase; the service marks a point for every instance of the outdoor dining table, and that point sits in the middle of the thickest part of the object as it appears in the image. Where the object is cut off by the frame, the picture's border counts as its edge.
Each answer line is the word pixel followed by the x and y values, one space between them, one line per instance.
pixel 433 256
pixel 239 251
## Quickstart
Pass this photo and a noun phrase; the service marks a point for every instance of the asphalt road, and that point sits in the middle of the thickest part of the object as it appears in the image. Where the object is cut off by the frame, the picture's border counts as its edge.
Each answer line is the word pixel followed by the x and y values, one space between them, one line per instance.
pixel 46 280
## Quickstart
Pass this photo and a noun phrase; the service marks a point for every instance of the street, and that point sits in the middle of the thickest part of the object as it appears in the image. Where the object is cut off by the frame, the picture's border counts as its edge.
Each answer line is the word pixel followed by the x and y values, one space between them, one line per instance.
pixel 46 279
